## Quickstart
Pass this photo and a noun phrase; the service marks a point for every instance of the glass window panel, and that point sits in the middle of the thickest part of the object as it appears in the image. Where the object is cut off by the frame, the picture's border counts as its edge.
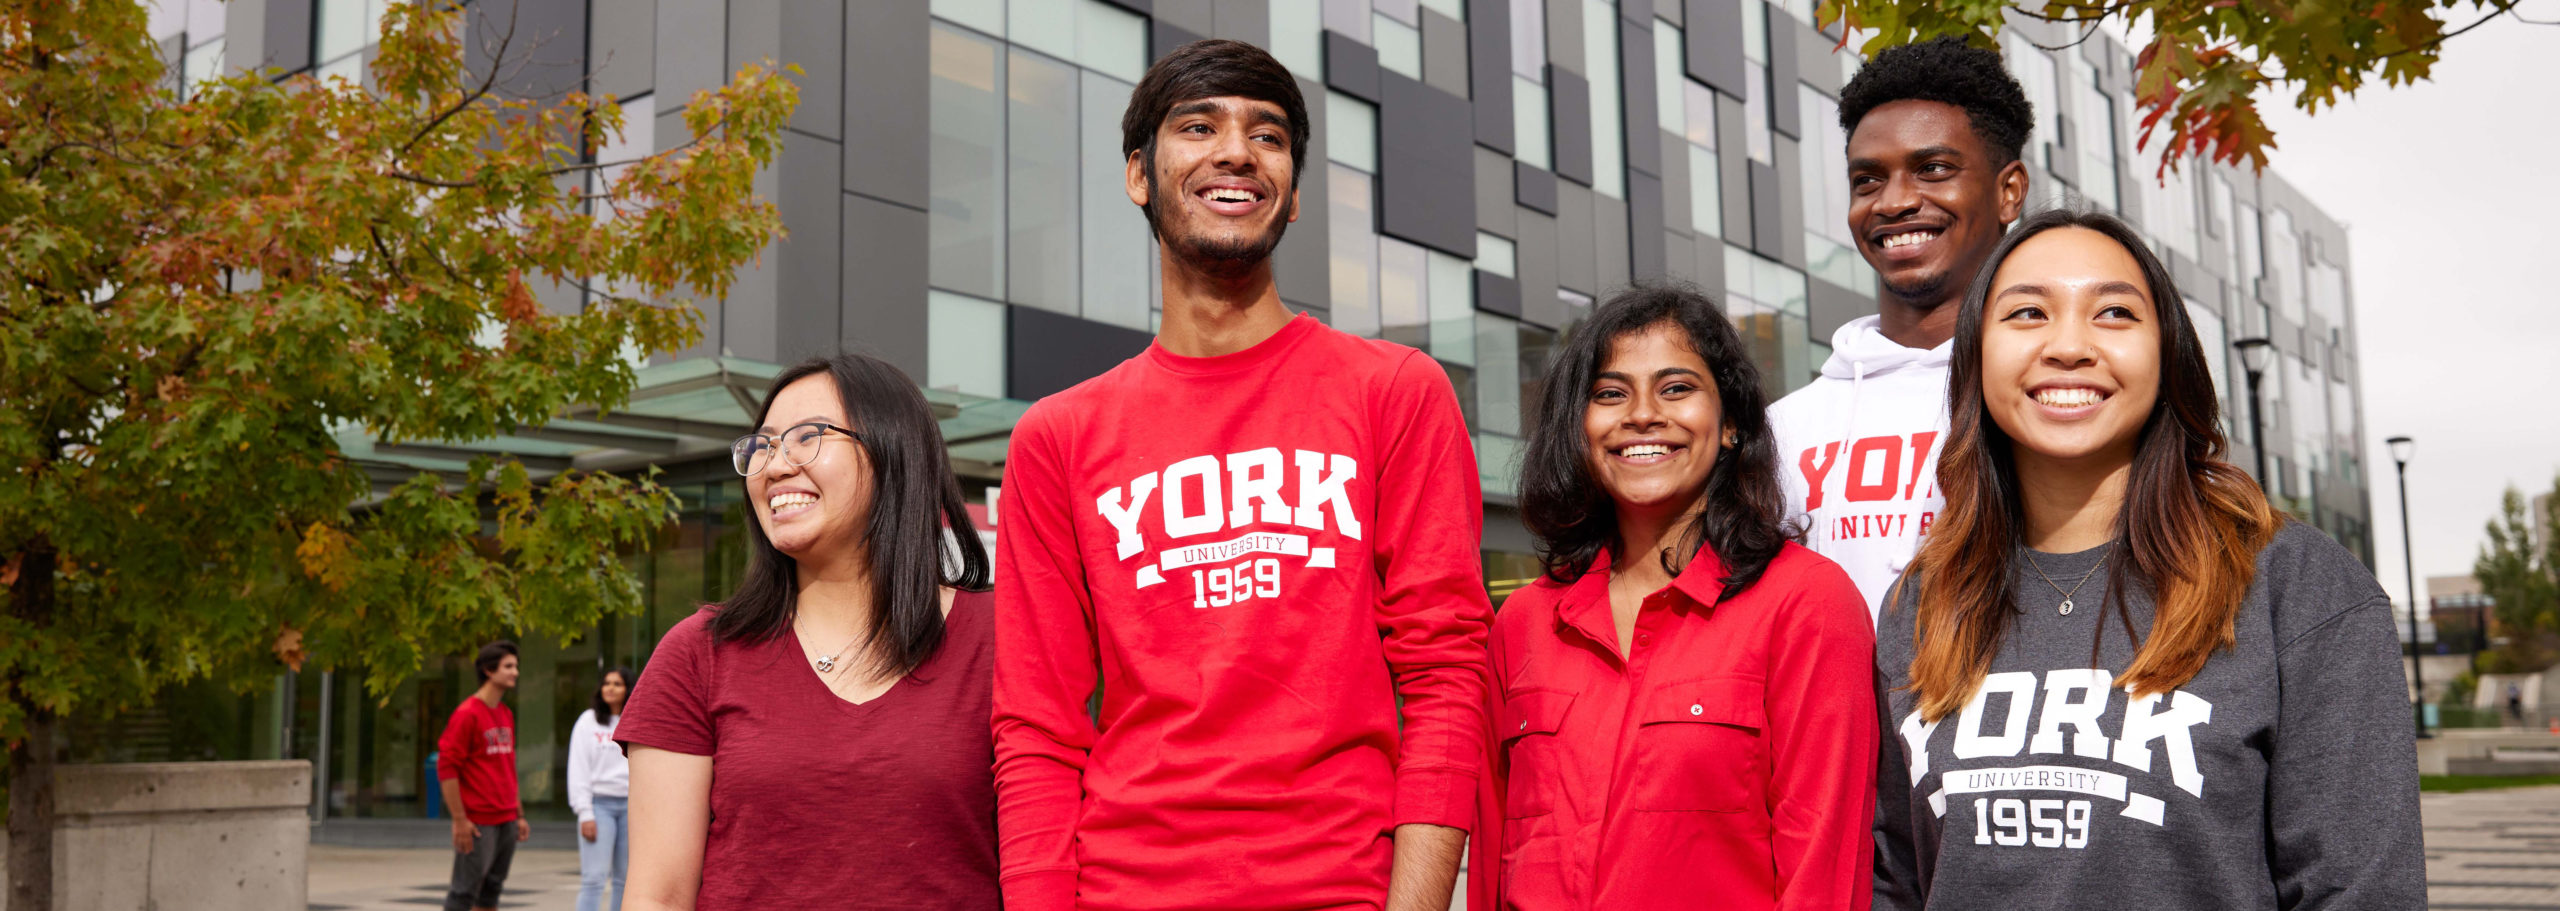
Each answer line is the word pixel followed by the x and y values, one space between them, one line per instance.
pixel 2211 337
pixel 2034 70
pixel 1755 113
pixel 1608 118
pixel 1496 255
pixel 1354 241
pixel 2284 261
pixel 1497 374
pixel 1497 462
pixel 1755 32
pixel 1706 197
pixel 1041 252
pixel 1779 286
pixel 1350 17
pixel 342 28
pixel 1576 307
pixel 1297 38
pixel 966 179
pixel 1452 289
pixel 984 15
pixel 2096 129
pixel 203 64
pixel 1404 304
pixel 2247 243
pixel 1670 82
pixel 1399 46
pixel 1047 26
pixel 1758 324
pixel 1454 9
pixel 964 344
pixel 1795 351
pixel 1529 40
pixel 1530 137
pixel 1114 231
pixel 2218 203
pixel 1537 347
pixel 1112 40
pixel 1354 125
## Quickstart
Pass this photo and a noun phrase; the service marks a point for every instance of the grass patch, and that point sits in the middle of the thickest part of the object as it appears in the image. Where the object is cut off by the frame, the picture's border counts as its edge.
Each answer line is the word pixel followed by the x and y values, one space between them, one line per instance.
pixel 2458 783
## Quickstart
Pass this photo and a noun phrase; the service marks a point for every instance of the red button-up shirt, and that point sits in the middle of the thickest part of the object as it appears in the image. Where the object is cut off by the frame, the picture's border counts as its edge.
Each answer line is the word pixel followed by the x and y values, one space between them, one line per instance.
pixel 1726 760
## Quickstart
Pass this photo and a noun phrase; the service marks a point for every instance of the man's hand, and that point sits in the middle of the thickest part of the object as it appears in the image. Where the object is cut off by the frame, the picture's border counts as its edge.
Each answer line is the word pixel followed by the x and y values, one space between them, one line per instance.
pixel 524 828
pixel 587 830
pixel 464 833
pixel 1426 867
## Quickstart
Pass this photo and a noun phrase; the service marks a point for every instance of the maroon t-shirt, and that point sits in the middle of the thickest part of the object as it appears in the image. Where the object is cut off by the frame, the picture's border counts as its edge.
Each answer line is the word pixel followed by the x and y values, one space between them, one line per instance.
pixel 820 803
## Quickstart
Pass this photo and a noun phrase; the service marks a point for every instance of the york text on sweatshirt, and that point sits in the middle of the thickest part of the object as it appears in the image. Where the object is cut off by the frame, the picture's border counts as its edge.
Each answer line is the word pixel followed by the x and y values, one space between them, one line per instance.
pixel 1858 453
pixel 1252 557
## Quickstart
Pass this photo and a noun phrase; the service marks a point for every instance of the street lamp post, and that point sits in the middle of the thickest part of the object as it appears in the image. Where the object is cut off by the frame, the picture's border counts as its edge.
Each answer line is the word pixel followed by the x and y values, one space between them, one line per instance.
pixel 2401 449
pixel 2253 361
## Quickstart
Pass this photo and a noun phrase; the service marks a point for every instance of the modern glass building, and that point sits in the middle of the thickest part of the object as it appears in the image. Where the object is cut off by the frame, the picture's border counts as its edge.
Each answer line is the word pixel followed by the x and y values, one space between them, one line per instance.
pixel 1482 171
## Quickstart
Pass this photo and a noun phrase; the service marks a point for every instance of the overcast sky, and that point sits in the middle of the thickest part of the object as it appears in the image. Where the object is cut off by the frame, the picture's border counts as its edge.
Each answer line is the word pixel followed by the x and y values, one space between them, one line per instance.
pixel 2455 238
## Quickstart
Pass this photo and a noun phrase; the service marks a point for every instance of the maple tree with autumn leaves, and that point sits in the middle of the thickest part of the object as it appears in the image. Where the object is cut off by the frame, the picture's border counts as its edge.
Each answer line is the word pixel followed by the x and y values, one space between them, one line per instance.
pixel 200 293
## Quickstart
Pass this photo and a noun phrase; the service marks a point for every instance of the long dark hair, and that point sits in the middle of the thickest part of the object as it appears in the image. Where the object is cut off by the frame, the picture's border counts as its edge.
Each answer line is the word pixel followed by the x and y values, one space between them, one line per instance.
pixel 2189 530
pixel 915 512
pixel 1574 518
pixel 595 701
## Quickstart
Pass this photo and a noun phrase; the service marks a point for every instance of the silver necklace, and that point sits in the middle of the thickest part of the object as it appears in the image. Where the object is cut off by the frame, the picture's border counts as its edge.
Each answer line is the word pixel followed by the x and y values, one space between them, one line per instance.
pixel 827 663
pixel 2075 587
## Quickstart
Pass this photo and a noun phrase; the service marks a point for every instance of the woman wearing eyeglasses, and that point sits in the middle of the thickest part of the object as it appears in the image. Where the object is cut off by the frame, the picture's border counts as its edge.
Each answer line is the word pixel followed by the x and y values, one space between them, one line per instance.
pixel 820 739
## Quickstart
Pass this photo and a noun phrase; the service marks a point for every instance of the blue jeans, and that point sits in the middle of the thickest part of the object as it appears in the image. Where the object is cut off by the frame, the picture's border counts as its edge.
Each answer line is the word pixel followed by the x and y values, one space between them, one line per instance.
pixel 607 857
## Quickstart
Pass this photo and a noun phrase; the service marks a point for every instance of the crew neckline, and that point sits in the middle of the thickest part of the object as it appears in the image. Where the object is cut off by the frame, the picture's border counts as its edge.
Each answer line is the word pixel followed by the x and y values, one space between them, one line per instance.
pixel 1288 336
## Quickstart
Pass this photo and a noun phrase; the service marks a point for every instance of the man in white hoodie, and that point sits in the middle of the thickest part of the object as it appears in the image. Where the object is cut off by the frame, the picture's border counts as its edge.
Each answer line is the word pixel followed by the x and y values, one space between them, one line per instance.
pixel 1936 130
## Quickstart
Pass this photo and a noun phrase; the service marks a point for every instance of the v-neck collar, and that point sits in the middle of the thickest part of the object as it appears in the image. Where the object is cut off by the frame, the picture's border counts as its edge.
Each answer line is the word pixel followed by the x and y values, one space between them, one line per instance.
pixel 808 672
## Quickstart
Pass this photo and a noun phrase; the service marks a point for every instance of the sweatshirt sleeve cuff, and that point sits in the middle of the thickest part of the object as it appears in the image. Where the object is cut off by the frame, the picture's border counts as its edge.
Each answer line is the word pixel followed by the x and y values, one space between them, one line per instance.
pixel 1438 797
pixel 1046 890
pixel 587 815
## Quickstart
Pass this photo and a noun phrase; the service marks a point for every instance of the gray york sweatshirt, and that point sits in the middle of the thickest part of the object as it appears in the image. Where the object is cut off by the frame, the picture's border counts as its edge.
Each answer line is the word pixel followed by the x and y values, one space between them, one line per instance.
pixel 2282 776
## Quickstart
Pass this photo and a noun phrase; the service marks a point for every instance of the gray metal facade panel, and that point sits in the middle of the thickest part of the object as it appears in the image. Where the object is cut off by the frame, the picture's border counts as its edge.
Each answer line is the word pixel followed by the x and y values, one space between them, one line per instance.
pixel 544 56
pixel 1675 180
pixel 1489 74
pixel 755 33
pixel 1198 17
pixel 1710 264
pixel 1445 60
pixel 888 94
pixel 1735 182
pixel 1577 251
pixel 1303 264
pixel 1564 35
pixel 1765 200
pixel 1426 166
pixel 1828 306
pixel 1537 269
pixel 244 31
pixel 1248 21
pixel 1493 194
pixel 1496 294
pixel 1140 7
pixel 1714 36
pixel 1533 186
pixel 809 303
pixel 1680 256
pixel 1350 67
pixel 286 35
pixel 1640 122
pixel 1569 104
pixel 750 323
pixel 1639 11
pixel 622 46
pixel 692 52
pixel 1164 37
pixel 813 39
pixel 1644 227
pixel 1610 243
pixel 1069 351
pixel 1785 117
pixel 1790 206
pixel 1818 62
pixel 884 283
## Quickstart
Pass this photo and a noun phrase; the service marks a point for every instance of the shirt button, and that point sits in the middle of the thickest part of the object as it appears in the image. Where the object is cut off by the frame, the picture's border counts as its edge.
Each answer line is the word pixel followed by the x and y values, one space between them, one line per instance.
pixel 1697 710
pixel 1524 725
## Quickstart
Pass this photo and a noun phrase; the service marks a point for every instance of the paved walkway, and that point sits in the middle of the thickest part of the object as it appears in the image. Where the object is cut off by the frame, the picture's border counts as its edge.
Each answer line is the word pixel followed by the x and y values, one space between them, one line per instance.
pixel 409 879
pixel 2494 850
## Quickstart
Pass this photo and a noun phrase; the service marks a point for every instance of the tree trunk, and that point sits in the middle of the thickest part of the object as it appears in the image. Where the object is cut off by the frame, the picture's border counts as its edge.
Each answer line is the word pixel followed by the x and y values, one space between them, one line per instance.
pixel 31 764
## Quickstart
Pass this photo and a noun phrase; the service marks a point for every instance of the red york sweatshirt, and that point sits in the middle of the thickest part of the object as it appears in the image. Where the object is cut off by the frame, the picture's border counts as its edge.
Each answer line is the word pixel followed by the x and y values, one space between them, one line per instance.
pixel 1252 557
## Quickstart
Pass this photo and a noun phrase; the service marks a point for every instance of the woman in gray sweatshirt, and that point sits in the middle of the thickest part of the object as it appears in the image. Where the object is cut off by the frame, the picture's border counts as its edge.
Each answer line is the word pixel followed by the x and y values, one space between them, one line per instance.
pixel 2114 676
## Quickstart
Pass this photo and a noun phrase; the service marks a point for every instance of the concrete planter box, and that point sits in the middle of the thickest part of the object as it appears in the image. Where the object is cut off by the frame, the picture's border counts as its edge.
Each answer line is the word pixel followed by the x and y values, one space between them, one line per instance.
pixel 215 836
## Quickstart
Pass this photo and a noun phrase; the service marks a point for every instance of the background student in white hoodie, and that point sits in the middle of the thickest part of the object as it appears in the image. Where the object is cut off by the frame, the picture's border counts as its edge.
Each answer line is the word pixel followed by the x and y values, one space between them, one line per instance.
pixel 1935 134
pixel 600 792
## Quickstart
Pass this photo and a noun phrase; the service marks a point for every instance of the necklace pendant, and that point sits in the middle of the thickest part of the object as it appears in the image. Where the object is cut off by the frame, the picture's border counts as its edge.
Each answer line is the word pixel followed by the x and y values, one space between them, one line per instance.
pixel 2066 607
pixel 827 663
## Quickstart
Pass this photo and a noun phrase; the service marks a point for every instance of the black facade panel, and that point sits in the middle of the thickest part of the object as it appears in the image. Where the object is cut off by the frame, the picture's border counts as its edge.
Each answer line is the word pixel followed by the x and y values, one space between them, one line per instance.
pixel 1645 257
pixel 1048 352
pixel 1642 122
pixel 1165 37
pixel 1489 78
pixel 1785 62
pixel 1426 166
pixel 1828 306
pixel 1766 200
pixel 1714 36
pixel 1496 294
pixel 1351 67
pixel 1533 186
pixel 1569 101
pixel 288 36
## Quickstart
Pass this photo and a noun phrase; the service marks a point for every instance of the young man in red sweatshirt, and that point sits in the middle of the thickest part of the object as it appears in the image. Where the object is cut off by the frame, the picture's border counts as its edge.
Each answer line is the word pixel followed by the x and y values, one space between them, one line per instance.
pixel 1253 539
pixel 476 765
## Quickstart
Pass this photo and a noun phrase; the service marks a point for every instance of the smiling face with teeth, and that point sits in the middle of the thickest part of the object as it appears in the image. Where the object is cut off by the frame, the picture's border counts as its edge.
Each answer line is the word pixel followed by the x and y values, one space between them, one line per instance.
pixel 1927 201
pixel 2071 350
pixel 1655 423
pixel 817 512
pixel 1223 185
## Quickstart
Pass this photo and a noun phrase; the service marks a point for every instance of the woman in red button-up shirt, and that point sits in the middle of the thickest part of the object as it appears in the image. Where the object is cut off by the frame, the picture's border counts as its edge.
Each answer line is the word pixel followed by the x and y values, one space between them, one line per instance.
pixel 1684 702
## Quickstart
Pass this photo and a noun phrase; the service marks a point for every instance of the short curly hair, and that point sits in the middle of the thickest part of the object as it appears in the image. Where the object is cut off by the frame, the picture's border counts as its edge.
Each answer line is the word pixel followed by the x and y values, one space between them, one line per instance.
pixel 1949 71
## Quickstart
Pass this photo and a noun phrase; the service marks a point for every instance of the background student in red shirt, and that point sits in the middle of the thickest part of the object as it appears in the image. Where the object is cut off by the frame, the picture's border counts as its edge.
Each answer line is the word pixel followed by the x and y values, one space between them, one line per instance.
pixel 476 764
pixel 1684 710
pixel 819 740
pixel 1255 537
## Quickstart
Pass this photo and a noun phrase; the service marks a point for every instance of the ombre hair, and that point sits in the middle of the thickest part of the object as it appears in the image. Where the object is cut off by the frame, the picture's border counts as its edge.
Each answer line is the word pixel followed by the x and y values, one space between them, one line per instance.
pixel 2189 530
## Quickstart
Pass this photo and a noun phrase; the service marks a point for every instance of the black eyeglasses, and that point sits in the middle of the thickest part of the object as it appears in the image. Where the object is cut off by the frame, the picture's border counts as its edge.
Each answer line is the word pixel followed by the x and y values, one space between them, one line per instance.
pixel 798 444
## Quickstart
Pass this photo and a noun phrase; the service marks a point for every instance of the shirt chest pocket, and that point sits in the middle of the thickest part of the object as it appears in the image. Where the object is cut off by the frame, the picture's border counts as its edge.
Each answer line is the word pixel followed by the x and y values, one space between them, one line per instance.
pixel 1700 745
pixel 1528 725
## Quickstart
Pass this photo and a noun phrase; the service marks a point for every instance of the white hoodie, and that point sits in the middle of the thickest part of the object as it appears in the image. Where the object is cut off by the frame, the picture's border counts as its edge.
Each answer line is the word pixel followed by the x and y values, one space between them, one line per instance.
pixel 596 765
pixel 1885 407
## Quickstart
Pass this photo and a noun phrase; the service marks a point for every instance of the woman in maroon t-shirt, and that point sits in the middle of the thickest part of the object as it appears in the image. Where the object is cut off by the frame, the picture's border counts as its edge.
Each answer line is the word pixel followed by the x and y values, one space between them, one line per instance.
pixel 820 739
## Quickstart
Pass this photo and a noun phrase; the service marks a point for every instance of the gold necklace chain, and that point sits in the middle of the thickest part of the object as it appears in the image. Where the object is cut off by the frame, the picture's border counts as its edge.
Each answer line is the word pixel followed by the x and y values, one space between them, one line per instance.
pixel 2075 588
